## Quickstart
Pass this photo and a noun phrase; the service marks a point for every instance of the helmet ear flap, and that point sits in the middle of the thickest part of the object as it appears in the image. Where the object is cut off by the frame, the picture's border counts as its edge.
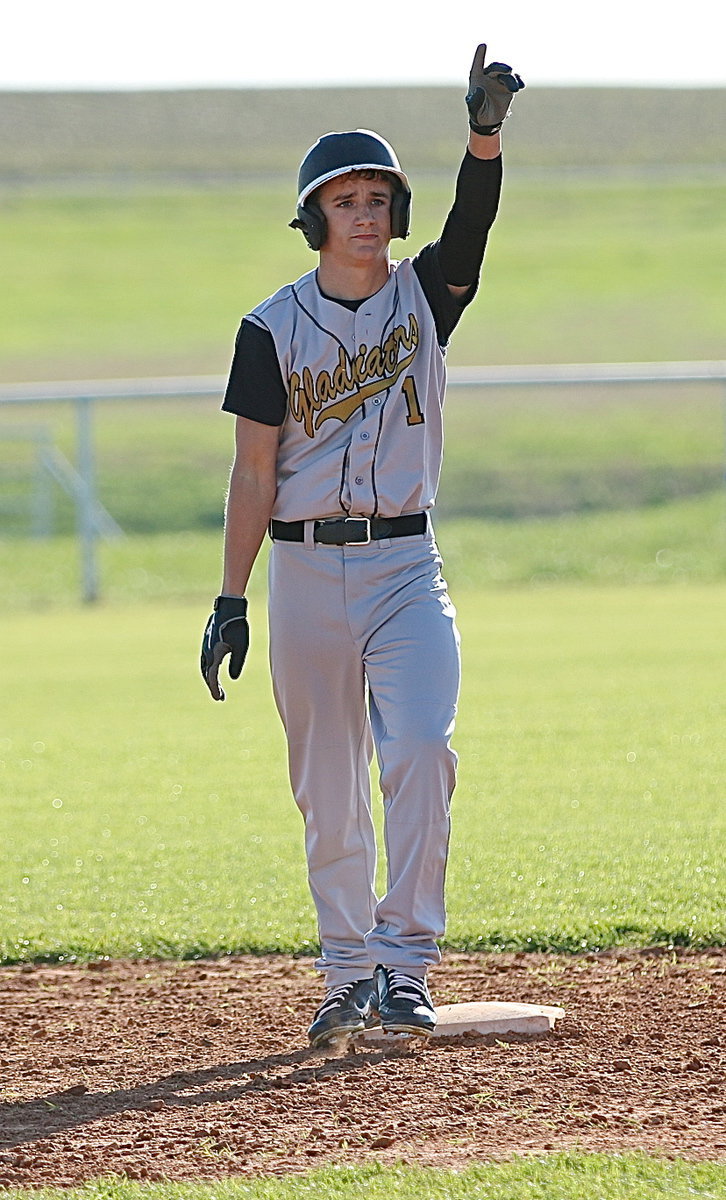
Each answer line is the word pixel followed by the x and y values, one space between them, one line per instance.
pixel 400 213
pixel 311 220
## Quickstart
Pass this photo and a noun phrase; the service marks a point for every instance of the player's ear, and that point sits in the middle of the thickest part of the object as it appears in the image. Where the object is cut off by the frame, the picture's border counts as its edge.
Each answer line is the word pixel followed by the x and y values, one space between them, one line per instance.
pixel 311 220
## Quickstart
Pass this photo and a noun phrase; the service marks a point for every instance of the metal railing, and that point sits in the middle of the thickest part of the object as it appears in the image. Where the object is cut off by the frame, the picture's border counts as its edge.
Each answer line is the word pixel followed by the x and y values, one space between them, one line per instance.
pixel 84 394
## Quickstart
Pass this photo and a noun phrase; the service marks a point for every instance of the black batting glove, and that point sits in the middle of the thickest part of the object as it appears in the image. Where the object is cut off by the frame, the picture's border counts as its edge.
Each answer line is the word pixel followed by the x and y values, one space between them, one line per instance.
pixel 227 632
pixel 490 93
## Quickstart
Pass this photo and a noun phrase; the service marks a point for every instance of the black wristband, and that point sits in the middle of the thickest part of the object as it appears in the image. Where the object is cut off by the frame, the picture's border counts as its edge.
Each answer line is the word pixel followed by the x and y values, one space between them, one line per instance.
pixel 230 607
pixel 485 130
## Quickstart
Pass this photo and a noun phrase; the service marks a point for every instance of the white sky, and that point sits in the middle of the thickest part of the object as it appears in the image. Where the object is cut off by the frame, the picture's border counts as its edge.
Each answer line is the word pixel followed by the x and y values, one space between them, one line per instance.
pixel 240 43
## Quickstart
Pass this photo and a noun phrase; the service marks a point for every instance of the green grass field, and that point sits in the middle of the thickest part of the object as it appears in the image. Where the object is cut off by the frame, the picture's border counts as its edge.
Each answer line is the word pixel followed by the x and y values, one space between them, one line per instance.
pixel 557 1177
pixel 142 819
pixel 138 282
pixel 599 488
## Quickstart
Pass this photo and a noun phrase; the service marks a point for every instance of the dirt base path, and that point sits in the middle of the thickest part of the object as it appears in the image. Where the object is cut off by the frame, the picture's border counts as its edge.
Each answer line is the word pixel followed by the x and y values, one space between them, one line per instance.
pixel 181 1070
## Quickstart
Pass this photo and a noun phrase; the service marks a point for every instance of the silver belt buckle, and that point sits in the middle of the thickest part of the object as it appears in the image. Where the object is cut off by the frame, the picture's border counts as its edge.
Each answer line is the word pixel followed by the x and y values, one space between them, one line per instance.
pixel 366 523
pixel 362 523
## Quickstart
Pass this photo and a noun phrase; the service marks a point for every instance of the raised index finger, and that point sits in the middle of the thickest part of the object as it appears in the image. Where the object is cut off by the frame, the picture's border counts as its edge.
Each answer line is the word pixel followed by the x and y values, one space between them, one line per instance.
pixel 478 64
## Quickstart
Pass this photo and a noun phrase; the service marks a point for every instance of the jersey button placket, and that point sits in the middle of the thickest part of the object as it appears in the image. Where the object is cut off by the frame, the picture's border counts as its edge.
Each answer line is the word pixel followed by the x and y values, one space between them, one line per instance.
pixel 363 439
pixel 361 468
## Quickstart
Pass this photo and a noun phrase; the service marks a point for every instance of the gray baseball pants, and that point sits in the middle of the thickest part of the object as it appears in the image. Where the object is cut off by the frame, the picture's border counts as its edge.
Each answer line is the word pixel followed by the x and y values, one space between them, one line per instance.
pixel 364 651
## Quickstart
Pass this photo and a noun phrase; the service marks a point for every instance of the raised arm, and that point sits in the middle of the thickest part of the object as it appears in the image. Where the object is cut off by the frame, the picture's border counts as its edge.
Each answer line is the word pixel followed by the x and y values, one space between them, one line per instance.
pixel 463 241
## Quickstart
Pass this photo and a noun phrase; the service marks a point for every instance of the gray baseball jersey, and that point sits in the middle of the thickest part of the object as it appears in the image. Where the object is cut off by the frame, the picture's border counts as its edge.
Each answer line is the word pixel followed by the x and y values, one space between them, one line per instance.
pixel 363 430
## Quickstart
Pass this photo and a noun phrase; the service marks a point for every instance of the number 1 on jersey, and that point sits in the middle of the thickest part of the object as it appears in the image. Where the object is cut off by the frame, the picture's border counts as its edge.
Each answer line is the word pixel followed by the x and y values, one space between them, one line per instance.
pixel 414 415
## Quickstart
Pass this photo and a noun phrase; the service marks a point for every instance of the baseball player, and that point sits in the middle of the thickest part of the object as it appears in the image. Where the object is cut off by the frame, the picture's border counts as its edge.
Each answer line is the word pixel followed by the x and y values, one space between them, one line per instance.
pixel 337 384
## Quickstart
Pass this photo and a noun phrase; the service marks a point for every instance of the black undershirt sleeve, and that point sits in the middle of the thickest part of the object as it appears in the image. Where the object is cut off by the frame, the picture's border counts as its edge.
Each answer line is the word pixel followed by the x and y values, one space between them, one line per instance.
pixel 445 308
pixel 464 238
pixel 255 388
pixel 457 257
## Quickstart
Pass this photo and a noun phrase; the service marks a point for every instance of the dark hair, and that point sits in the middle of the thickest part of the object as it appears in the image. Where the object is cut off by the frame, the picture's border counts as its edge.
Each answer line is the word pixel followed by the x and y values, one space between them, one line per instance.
pixel 367 173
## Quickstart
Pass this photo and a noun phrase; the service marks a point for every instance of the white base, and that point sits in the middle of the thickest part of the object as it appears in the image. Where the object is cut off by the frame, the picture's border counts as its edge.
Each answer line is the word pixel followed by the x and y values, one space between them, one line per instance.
pixel 487 1016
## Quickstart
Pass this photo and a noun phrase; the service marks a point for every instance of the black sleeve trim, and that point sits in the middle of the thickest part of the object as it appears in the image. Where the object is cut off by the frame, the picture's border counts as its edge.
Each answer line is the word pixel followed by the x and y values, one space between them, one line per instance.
pixel 464 237
pixel 445 307
pixel 255 388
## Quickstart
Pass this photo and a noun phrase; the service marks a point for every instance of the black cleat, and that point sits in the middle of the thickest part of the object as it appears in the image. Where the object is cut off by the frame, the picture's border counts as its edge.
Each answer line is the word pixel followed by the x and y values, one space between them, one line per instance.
pixel 346 1010
pixel 404 1003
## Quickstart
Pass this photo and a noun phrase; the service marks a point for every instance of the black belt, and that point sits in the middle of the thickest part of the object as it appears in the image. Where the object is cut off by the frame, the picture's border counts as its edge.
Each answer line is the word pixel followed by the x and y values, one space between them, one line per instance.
pixel 351 531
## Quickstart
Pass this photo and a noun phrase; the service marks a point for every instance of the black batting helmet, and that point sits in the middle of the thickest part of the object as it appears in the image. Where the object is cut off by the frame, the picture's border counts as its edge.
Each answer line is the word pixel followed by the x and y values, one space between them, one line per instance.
pixel 336 154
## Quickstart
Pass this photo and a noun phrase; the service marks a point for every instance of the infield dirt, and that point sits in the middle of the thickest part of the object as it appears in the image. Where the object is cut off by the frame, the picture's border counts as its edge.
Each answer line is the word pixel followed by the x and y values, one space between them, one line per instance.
pixel 167 1070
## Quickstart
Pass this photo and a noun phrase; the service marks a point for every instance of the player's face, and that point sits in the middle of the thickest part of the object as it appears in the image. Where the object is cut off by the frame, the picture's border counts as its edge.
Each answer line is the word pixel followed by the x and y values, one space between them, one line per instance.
pixel 358 216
